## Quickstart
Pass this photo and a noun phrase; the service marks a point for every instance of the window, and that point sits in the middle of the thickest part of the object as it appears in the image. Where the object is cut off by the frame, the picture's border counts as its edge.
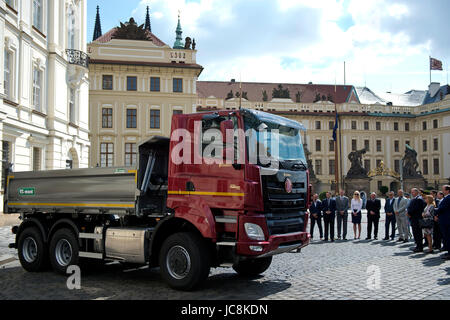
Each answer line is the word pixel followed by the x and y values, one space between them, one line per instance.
pixel 425 166
pixel 177 85
pixel 72 117
pixel 318 145
pixel 37 80
pixel 424 125
pixel 331 145
pixel 107 82
pixel 107 117
pixel 354 145
pixel 367 144
pixel 71 28
pixel 435 124
pixel 408 143
pixel 424 145
pixel 397 166
pixel 7 79
pixel 366 125
pixel 407 126
pixel 378 126
pixel 131 83
pixel 37 14
pixel 131 118
pixel 154 84
pixel 378 145
pixel 435 166
pixel 395 126
pixel 317 125
pixel 36 159
pixel 435 144
pixel 177 112
pixel 331 125
pixel 130 154
pixel 367 164
pixel 379 184
pixel 318 165
pixel 353 125
pixel 154 119
pixel 106 154
pixel 331 167
pixel 396 146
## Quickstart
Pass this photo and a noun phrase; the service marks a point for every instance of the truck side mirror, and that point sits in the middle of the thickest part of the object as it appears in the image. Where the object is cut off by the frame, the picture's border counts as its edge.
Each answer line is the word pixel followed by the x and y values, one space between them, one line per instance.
pixel 224 126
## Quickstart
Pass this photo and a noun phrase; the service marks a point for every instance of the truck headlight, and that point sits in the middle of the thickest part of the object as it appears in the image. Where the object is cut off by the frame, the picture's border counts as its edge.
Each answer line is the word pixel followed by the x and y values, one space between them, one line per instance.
pixel 254 231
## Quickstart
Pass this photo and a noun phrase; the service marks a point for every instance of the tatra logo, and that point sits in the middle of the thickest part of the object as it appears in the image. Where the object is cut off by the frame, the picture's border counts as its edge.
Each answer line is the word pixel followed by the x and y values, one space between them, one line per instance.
pixel 233 186
pixel 288 185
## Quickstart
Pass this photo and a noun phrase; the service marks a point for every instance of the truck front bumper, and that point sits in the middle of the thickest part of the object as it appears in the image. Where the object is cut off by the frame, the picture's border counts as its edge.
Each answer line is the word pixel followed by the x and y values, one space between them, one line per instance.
pixel 276 244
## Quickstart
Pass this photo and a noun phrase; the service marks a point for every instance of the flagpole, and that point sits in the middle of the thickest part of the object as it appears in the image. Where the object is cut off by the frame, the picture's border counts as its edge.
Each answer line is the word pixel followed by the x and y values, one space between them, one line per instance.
pixel 336 162
pixel 430 67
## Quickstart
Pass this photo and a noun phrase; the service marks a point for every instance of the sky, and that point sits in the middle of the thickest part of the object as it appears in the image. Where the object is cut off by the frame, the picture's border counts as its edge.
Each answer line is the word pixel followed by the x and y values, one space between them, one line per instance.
pixel 385 44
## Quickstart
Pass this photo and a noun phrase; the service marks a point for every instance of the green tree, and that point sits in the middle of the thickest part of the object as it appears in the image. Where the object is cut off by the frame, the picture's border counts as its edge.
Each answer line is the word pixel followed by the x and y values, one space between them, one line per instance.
pixel 383 190
pixel 322 195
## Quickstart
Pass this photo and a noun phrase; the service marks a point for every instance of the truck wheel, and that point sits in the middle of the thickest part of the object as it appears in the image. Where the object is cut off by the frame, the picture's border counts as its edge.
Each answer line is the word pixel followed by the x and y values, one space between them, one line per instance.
pixel 184 261
pixel 63 250
pixel 32 250
pixel 252 267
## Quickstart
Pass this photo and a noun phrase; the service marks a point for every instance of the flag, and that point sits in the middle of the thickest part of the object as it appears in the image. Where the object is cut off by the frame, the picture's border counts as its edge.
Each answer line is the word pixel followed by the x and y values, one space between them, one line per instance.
pixel 435 64
pixel 336 126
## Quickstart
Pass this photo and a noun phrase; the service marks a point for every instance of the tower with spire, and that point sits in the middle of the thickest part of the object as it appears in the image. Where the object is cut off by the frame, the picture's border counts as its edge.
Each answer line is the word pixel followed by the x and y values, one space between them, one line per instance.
pixel 178 40
pixel 148 26
pixel 98 27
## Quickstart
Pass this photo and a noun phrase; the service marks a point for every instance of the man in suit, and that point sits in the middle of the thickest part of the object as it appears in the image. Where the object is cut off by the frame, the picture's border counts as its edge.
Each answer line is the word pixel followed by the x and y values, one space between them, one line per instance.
pixel 437 234
pixel 390 216
pixel 415 210
pixel 400 205
pixel 315 212
pixel 342 206
pixel 373 207
pixel 443 212
pixel 329 214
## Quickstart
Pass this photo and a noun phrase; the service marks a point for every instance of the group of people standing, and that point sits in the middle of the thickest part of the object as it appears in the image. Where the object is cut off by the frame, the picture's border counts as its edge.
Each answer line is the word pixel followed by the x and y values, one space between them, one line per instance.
pixel 427 215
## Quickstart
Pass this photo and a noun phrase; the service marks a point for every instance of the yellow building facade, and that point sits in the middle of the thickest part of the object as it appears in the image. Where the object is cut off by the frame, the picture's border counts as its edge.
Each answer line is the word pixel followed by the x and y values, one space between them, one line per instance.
pixel 136 86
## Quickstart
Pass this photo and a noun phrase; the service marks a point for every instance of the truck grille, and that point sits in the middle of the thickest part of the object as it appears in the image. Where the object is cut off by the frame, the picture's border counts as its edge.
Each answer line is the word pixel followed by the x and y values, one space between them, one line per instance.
pixel 285 212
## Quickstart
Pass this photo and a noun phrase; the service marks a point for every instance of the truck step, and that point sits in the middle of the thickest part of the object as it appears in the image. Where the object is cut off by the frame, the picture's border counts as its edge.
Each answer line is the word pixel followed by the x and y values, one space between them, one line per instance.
pixel 226 219
pixel 226 243
pixel 92 255
pixel 84 235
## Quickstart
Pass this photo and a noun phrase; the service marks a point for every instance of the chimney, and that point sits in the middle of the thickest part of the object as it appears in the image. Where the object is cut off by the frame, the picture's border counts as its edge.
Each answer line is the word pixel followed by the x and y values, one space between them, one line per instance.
pixel 434 88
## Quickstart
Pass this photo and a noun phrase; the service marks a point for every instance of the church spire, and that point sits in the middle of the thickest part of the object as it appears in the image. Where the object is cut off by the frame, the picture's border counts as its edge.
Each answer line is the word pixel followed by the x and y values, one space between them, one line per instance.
pixel 178 40
pixel 148 26
pixel 98 27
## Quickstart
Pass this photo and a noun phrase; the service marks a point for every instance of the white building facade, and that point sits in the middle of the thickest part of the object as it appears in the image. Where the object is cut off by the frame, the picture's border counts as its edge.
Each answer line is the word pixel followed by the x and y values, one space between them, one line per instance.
pixel 44 86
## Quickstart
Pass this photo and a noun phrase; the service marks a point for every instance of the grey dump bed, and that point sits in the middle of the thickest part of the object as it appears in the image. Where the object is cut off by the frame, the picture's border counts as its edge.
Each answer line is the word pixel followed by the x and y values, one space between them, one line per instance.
pixel 94 190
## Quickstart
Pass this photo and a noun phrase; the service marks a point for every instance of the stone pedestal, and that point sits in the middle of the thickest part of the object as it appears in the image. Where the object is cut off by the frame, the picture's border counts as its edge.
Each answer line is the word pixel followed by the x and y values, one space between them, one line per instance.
pixel 409 183
pixel 360 184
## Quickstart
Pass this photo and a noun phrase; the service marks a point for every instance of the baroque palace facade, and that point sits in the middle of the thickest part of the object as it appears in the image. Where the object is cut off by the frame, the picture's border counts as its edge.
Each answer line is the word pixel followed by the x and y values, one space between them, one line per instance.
pixel 44 87
pixel 137 83
pixel 384 126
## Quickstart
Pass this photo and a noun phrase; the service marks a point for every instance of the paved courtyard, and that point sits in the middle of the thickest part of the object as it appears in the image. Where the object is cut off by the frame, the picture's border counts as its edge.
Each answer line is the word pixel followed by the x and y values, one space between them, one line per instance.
pixel 339 270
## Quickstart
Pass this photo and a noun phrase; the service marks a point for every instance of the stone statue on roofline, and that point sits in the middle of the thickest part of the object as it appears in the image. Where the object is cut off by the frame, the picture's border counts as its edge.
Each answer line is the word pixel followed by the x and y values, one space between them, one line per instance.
pixel 187 43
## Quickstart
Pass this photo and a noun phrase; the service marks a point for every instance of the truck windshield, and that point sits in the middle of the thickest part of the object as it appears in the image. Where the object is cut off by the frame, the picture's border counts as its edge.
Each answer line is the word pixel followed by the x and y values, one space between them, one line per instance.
pixel 269 136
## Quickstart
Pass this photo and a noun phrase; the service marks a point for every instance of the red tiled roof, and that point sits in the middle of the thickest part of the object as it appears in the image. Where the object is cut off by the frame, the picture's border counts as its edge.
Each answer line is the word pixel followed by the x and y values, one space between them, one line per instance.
pixel 106 37
pixel 220 89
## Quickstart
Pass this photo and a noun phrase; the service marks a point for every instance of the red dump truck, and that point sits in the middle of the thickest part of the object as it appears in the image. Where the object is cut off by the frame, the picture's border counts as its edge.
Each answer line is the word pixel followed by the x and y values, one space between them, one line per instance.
pixel 183 216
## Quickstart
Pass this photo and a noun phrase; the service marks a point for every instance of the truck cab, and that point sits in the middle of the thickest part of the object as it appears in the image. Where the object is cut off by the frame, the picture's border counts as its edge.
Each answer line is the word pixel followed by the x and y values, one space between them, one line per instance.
pixel 227 189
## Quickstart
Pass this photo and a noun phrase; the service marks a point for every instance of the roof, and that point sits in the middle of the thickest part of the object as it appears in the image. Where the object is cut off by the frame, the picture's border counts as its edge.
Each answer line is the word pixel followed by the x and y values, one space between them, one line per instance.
pixel 411 98
pixel 106 37
pixel 432 97
pixel 220 90
pixel 150 64
pixel 367 96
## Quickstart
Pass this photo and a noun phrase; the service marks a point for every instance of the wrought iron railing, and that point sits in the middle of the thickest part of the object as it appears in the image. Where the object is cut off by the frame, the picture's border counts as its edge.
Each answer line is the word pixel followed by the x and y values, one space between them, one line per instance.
pixel 77 57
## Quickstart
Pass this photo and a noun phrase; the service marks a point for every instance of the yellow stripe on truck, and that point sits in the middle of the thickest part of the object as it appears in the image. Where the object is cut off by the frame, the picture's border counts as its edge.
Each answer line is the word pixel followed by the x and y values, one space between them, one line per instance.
pixel 205 193
pixel 94 205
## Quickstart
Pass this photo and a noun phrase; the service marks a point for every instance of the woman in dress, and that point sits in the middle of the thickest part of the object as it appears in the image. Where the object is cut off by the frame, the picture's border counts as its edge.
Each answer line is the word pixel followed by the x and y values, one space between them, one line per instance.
pixel 428 214
pixel 356 206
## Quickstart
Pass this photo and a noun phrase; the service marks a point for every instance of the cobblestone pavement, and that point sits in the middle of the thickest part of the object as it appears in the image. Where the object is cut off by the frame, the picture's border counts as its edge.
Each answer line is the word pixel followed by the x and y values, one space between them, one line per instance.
pixel 322 270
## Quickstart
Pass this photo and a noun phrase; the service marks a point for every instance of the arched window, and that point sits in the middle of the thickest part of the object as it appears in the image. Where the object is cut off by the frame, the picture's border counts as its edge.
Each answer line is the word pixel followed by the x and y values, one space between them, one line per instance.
pixel 71 25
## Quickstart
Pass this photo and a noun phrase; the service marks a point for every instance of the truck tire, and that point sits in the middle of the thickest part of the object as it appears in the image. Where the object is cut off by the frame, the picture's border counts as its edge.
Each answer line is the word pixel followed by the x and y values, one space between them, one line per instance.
pixel 32 250
pixel 252 267
pixel 63 250
pixel 184 261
